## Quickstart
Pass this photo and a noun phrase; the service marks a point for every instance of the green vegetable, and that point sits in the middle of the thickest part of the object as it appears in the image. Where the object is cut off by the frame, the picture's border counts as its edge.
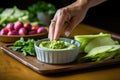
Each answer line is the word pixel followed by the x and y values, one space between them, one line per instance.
pixel 5 15
pixel 98 47
pixel 26 47
pixel 42 6
pixel 41 11
pixel 13 15
pixel 29 15
pixel 103 53
pixel 85 39
pixel 99 41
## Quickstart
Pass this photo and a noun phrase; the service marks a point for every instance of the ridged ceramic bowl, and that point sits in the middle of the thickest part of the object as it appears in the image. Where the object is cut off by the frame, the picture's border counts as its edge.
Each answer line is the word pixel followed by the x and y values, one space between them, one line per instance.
pixel 57 56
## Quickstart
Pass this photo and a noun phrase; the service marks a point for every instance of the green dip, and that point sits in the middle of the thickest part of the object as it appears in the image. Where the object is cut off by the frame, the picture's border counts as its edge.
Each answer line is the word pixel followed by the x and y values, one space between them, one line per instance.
pixel 56 45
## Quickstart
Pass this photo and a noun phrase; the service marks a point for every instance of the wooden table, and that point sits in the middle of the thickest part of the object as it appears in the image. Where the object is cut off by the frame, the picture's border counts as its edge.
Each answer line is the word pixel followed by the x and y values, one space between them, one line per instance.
pixel 11 69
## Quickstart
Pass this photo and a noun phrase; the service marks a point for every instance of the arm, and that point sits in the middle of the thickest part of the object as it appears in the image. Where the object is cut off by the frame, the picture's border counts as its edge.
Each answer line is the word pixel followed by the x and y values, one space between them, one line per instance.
pixel 93 3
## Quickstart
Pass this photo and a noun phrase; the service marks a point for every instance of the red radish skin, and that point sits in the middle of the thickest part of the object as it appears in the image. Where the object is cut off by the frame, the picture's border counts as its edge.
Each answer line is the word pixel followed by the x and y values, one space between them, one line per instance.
pixel 18 25
pixel 10 26
pixel 27 26
pixel 41 30
pixel 20 28
pixel 22 31
pixel 32 32
pixel 13 32
pixel 4 31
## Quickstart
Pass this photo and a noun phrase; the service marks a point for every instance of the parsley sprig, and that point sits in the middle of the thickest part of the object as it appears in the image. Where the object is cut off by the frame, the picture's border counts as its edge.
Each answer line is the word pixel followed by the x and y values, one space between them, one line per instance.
pixel 26 47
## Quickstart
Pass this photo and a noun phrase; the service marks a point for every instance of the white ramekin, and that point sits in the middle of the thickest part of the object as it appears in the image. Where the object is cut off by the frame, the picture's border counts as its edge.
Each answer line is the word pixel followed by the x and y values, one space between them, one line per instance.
pixel 57 56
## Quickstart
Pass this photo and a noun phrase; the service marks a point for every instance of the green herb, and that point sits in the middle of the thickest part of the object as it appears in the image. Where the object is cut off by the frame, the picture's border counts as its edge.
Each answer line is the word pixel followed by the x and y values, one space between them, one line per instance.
pixel 26 47
pixel 41 6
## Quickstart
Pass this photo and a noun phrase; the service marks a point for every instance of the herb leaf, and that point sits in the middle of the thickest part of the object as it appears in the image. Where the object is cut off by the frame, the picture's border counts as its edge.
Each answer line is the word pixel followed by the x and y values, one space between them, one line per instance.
pixel 26 47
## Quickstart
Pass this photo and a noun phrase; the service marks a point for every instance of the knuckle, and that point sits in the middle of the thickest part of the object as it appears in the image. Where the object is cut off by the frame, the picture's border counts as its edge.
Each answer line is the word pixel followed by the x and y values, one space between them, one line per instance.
pixel 62 11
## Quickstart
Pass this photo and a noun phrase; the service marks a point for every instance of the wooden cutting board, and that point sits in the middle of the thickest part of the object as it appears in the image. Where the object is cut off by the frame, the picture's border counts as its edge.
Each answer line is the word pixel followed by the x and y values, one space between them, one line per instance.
pixel 45 68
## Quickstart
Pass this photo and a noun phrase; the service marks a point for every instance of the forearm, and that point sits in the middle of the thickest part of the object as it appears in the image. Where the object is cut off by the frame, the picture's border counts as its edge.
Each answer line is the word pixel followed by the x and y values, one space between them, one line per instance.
pixel 91 3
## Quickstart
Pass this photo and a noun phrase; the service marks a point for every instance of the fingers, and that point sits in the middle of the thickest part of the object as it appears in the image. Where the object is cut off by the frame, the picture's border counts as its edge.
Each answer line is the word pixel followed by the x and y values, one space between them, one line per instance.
pixel 59 24
pixel 51 30
pixel 56 25
pixel 73 23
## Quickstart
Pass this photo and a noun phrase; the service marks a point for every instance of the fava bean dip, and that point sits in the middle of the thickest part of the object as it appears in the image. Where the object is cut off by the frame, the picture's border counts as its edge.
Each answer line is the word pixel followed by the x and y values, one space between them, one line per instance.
pixel 56 44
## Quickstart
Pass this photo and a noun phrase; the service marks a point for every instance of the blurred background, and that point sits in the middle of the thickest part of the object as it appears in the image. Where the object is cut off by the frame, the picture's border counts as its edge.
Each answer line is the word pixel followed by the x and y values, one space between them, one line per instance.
pixel 105 15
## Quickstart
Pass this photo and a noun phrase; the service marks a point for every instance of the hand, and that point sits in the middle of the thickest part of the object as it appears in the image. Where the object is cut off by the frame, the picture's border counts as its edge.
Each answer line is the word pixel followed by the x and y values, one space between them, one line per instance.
pixel 73 14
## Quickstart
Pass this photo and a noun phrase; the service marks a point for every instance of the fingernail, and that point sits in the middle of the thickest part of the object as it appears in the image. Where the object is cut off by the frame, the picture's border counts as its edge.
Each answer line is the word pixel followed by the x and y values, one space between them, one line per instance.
pixel 67 33
pixel 50 39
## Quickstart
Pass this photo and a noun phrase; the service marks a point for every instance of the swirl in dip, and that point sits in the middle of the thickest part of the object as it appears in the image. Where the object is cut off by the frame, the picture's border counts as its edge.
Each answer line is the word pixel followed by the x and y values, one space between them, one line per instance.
pixel 56 44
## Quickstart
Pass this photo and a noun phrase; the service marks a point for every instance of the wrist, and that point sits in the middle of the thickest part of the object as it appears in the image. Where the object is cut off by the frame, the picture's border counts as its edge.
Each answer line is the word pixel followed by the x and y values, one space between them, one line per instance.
pixel 77 6
pixel 90 3
pixel 83 2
